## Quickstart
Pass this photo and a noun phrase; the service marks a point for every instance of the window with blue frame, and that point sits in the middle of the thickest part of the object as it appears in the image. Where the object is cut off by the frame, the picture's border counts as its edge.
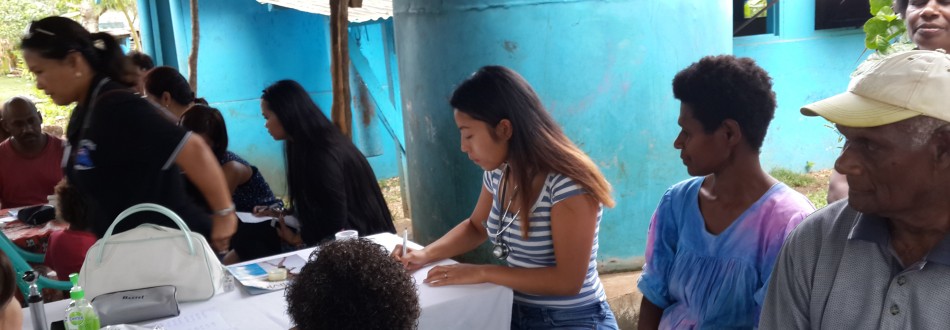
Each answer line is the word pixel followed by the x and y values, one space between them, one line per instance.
pixel 754 17
pixel 833 14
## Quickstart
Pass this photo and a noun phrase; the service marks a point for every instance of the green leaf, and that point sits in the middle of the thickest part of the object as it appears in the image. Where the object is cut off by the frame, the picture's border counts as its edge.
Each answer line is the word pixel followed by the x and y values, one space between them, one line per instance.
pixel 876 5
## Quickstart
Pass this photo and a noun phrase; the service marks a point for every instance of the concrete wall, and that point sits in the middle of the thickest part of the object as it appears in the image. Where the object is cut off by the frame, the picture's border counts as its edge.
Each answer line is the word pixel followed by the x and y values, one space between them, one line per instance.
pixel 244 47
pixel 806 66
pixel 603 69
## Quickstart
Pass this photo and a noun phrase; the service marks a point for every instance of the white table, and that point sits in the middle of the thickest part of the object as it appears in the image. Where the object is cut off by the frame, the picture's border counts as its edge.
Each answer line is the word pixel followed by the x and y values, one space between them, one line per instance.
pixel 479 306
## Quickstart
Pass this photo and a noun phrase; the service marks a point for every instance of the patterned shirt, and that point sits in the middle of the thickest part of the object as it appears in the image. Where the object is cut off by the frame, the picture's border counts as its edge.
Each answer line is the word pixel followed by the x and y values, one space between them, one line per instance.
pixel 701 280
pixel 838 271
pixel 538 250
pixel 253 192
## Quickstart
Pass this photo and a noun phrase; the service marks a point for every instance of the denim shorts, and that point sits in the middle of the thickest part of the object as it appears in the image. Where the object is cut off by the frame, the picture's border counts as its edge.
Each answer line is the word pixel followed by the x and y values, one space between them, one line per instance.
pixel 593 316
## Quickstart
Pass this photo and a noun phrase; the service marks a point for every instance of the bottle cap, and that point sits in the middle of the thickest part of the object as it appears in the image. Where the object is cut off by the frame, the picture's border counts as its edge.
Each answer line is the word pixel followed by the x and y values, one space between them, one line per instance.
pixel 76 294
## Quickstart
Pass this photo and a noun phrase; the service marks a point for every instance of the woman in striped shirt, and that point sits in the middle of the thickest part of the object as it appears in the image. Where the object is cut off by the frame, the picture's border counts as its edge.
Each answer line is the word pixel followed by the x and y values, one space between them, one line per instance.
pixel 540 207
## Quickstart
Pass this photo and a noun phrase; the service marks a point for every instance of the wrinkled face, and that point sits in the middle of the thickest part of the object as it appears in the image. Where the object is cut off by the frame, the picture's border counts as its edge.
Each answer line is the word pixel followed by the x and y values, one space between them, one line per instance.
pixel 57 78
pixel 273 125
pixel 888 169
pixel 702 153
pixel 928 23
pixel 23 123
pixel 486 146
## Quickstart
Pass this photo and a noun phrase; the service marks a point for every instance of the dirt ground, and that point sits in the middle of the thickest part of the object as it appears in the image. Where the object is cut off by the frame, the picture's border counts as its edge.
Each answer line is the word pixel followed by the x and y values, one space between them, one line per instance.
pixel 817 192
pixel 393 195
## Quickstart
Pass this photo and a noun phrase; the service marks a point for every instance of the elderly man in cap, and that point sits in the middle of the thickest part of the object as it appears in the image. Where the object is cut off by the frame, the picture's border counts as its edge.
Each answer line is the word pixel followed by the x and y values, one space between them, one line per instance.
pixel 880 259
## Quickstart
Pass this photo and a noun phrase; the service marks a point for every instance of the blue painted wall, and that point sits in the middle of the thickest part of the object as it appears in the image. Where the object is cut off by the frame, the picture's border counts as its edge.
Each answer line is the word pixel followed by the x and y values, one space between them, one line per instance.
pixel 603 69
pixel 806 66
pixel 244 47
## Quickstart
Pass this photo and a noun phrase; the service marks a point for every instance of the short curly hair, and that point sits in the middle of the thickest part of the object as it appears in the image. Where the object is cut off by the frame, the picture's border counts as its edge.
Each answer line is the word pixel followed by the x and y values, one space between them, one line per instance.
pixel 728 87
pixel 353 284
pixel 71 206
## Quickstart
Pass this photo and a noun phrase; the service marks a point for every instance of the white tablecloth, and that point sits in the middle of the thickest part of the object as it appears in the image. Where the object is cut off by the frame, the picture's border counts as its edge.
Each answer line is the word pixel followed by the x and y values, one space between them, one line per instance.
pixel 480 306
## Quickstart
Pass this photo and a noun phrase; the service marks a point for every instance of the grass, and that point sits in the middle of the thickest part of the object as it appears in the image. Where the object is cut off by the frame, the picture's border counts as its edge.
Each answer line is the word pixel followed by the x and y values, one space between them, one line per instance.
pixel 818 198
pixel 813 185
pixel 792 178
pixel 54 116
pixel 13 86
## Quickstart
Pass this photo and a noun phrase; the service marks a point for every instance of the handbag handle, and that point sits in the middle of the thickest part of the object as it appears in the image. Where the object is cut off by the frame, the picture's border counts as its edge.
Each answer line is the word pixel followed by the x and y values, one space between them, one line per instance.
pixel 148 207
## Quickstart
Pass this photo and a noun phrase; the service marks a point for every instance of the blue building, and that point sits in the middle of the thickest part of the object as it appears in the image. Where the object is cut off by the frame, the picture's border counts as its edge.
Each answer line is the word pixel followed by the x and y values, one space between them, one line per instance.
pixel 603 69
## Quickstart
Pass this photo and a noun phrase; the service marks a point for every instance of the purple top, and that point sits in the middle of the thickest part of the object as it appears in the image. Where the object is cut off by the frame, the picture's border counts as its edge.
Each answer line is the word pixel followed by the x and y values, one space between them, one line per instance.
pixel 701 280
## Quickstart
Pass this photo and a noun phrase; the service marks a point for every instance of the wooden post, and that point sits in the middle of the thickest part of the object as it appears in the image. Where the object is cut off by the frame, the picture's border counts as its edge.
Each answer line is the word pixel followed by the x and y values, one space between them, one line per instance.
pixel 340 64
pixel 193 57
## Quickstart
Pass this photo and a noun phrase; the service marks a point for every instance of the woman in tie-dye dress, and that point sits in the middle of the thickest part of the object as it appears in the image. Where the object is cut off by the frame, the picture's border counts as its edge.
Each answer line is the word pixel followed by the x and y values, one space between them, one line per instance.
pixel 714 238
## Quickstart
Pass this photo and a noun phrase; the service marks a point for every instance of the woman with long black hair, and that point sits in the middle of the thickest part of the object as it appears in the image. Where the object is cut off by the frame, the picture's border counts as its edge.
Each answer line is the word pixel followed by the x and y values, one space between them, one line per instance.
pixel 332 187
pixel 122 152
pixel 540 206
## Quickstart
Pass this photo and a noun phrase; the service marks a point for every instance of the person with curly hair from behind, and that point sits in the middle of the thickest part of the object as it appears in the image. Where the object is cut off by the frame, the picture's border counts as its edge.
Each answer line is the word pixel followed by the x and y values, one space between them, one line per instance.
pixel 353 284
pixel 714 238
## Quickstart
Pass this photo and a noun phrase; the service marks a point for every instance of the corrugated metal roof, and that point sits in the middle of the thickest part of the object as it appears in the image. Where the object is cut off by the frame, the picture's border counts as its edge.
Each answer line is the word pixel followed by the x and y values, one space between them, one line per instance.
pixel 371 10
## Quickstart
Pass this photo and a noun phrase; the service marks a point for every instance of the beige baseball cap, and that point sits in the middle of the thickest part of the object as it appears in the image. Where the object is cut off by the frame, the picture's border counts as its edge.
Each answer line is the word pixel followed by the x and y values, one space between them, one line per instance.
pixel 898 87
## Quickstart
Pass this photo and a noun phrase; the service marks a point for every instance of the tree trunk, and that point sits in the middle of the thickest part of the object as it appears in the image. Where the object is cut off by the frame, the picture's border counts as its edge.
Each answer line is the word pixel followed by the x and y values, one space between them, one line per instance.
pixel 88 17
pixel 340 67
pixel 132 30
pixel 193 58
pixel 11 56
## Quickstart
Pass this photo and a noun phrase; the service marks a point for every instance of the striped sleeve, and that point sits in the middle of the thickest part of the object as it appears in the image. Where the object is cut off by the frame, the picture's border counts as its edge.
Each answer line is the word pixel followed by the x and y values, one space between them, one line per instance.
pixel 488 181
pixel 563 187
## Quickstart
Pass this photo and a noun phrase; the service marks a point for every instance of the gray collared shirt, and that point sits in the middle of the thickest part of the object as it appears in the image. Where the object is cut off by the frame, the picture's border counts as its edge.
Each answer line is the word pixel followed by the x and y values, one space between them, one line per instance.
pixel 837 270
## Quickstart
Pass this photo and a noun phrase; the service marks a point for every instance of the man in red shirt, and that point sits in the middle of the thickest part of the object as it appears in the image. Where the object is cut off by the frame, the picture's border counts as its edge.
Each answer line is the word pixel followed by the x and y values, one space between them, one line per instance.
pixel 30 160
pixel 3 133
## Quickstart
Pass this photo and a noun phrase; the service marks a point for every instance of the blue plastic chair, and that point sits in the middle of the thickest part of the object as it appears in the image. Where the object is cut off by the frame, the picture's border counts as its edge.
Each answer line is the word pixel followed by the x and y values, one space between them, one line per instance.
pixel 21 259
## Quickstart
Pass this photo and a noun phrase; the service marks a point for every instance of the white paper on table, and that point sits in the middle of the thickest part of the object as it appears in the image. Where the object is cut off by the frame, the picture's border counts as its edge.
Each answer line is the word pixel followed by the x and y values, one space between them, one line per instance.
pixel 251 218
pixel 208 319
pixel 4 220
pixel 290 221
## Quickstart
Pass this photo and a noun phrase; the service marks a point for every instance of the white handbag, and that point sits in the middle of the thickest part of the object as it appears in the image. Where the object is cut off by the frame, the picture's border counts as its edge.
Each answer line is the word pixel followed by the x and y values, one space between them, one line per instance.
pixel 151 255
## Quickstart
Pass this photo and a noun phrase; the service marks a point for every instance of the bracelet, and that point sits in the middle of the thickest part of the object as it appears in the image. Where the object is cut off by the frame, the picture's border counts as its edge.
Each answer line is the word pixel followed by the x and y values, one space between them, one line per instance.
pixel 224 212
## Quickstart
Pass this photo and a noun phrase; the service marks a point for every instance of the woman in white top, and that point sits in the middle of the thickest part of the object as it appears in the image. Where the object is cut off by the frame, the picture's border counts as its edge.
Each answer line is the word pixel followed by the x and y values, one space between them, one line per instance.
pixel 540 207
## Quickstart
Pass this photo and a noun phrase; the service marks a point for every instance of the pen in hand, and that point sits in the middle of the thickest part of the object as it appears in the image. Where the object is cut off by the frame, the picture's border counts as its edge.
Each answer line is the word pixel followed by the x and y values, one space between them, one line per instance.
pixel 405 239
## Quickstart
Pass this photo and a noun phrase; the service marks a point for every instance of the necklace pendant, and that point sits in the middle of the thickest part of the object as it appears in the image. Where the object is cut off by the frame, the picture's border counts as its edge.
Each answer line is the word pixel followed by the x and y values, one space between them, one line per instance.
pixel 501 251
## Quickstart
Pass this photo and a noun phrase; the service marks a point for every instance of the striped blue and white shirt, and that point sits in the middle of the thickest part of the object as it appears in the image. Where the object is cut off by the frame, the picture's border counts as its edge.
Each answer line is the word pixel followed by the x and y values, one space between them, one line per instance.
pixel 538 250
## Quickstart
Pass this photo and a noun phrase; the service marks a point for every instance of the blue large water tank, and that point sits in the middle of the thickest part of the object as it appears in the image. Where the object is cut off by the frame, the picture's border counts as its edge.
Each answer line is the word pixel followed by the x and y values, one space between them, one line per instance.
pixel 603 69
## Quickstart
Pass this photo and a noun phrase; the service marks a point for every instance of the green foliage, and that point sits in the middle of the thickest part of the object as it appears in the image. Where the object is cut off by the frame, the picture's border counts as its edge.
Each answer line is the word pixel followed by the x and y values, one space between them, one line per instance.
pixel 53 115
pixel 791 178
pixel 883 28
pixel 819 198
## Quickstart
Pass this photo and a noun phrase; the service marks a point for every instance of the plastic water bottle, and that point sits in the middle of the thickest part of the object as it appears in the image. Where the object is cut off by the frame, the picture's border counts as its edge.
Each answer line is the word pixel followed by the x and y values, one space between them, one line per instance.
pixel 35 299
pixel 80 315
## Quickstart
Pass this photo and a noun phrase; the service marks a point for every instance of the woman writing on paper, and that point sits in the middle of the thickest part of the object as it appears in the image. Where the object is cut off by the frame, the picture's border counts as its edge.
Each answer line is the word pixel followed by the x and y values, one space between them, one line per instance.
pixel 122 152
pixel 540 206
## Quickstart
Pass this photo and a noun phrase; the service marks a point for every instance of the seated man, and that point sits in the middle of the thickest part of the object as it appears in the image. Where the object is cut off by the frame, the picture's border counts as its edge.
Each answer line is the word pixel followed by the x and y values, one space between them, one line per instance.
pixel 30 160
pixel 353 284
pixel 881 258
pixel 3 133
